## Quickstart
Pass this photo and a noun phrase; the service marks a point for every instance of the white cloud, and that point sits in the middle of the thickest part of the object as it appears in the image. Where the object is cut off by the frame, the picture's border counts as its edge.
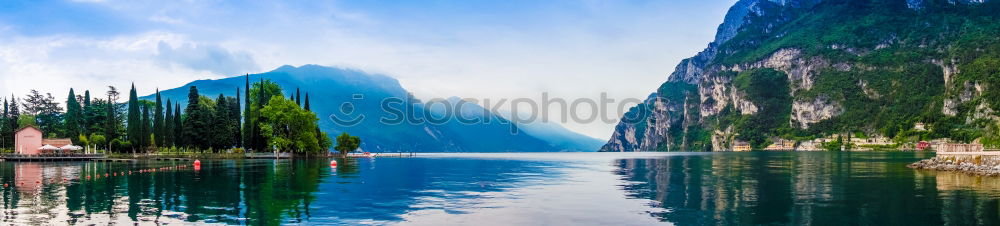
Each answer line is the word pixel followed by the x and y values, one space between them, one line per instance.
pixel 626 51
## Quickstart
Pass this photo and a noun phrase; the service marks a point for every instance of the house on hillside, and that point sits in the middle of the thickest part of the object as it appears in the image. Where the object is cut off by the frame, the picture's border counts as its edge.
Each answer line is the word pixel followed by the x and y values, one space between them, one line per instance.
pixel 29 140
pixel 741 146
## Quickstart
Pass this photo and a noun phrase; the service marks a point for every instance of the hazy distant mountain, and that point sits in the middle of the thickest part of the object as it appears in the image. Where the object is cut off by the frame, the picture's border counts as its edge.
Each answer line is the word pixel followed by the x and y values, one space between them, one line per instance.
pixel 329 88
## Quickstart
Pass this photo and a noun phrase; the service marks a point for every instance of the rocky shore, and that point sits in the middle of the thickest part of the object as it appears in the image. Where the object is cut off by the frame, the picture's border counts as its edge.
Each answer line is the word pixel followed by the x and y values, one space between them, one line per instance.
pixel 974 165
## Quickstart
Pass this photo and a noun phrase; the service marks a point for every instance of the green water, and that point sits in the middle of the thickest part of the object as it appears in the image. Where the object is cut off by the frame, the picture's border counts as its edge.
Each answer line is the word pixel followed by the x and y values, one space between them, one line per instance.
pixel 819 188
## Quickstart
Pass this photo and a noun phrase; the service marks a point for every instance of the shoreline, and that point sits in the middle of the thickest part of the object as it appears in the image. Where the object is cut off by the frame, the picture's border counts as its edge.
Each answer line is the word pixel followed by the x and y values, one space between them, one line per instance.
pixel 975 163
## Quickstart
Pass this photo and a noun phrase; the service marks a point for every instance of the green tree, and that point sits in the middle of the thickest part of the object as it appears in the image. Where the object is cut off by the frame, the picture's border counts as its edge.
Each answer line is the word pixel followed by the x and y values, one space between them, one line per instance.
pixel 168 126
pixel 287 127
pixel 198 124
pixel 158 120
pixel 239 118
pixel 224 126
pixel 46 111
pixel 112 123
pixel 134 123
pixel 74 117
pixel 260 94
pixel 347 143
pixel 178 126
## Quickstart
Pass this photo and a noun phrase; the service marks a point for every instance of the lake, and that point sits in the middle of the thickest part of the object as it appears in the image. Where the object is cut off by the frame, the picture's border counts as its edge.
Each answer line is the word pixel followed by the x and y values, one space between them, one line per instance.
pixel 829 188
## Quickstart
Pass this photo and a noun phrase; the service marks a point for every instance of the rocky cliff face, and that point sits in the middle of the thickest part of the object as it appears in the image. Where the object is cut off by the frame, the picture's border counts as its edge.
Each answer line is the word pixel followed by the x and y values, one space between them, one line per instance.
pixel 695 108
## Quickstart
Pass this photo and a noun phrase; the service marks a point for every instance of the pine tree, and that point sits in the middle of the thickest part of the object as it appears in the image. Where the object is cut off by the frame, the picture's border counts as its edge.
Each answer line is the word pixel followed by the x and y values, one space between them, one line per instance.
pixel 73 117
pixel 221 130
pixel 197 125
pixel 168 127
pixel 134 123
pixel 158 120
pixel 3 126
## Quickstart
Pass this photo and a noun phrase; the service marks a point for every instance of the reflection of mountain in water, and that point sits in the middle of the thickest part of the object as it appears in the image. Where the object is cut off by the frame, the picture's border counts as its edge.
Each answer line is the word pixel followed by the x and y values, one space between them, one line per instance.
pixel 254 192
pixel 801 188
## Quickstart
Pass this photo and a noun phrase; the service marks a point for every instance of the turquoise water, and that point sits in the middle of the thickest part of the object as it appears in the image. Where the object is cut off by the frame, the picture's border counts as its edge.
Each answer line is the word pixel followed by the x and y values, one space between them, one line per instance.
pixel 507 189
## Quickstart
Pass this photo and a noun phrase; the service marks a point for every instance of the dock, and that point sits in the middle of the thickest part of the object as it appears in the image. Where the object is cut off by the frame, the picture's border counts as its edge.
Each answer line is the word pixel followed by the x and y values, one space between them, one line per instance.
pixel 51 157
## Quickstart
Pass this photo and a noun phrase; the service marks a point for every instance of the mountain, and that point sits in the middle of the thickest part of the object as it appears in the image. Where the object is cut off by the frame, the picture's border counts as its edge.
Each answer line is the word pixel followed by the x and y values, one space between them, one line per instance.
pixel 806 69
pixel 557 135
pixel 347 94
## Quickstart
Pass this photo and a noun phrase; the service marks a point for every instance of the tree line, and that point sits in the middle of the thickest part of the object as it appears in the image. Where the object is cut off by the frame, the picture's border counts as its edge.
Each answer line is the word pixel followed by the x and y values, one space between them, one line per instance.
pixel 259 119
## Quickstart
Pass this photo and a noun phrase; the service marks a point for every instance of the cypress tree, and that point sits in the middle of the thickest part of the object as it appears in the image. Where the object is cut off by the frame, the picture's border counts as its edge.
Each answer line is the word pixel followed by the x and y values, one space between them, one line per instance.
pixel 168 128
pixel 158 120
pixel 239 119
pixel 307 103
pixel 134 123
pixel 298 97
pixel 246 113
pixel 178 126
pixel 146 130
pixel 73 117
pixel 86 98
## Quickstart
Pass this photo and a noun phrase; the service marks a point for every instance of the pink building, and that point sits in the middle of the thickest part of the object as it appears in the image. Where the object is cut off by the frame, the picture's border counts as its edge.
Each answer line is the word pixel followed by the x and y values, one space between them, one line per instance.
pixel 27 140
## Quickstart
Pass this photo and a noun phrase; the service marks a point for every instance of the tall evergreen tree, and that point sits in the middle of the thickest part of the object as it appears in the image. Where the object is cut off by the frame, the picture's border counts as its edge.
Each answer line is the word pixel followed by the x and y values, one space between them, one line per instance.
pixel 247 125
pixel 86 98
pixel 14 114
pixel 112 122
pixel 197 125
pixel 134 123
pixel 307 103
pixel 74 117
pixel 158 120
pixel 3 126
pixel 298 97
pixel 221 130
pixel 146 130
pixel 178 126
pixel 239 119
pixel 168 127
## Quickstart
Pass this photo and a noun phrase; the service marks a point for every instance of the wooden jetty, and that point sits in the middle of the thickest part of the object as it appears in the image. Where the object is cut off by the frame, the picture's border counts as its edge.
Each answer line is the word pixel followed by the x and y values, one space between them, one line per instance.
pixel 51 157
pixel 268 155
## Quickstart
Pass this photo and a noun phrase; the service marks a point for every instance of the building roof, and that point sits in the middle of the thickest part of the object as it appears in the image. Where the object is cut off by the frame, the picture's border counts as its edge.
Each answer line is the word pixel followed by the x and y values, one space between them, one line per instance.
pixel 58 142
pixel 27 126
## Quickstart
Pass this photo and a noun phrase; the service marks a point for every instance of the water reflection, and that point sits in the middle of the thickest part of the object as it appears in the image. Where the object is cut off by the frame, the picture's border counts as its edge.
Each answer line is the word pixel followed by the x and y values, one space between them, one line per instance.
pixel 505 189
pixel 253 191
pixel 234 192
pixel 808 188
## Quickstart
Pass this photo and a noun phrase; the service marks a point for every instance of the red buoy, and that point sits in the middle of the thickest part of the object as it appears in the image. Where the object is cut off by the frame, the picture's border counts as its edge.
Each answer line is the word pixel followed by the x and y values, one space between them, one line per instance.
pixel 197 162
pixel 333 163
pixel 5 185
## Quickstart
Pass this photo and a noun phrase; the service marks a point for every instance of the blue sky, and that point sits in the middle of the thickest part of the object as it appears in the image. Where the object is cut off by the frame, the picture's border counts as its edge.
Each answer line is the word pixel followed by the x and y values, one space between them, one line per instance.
pixel 474 49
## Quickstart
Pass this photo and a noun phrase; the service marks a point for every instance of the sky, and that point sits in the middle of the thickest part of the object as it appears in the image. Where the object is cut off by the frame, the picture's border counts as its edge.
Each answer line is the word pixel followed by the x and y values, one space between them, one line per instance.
pixel 502 49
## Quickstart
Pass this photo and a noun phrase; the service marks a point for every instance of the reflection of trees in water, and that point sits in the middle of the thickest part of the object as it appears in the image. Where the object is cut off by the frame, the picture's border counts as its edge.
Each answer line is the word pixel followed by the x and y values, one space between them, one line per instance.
pixel 257 192
pixel 800 188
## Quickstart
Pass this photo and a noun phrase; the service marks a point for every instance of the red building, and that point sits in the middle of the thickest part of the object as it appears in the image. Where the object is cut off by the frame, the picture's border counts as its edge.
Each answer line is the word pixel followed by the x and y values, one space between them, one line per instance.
pixel 923 145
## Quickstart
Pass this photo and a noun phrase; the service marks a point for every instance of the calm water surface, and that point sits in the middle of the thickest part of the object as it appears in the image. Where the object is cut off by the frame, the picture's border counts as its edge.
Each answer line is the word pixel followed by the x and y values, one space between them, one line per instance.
pixel 507 189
